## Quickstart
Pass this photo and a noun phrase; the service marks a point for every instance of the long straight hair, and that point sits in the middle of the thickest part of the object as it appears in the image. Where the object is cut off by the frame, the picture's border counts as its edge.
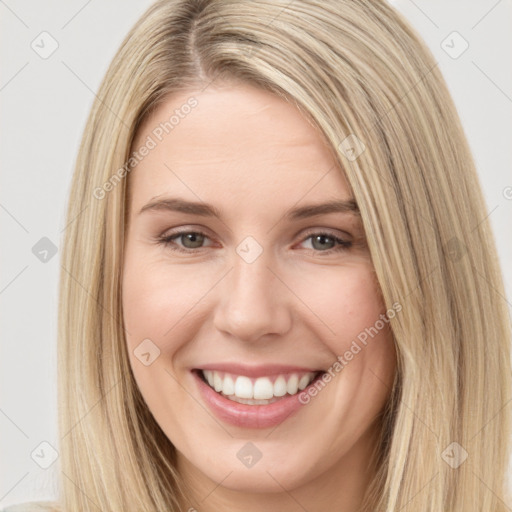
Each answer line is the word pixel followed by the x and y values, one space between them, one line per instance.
pixel 362 75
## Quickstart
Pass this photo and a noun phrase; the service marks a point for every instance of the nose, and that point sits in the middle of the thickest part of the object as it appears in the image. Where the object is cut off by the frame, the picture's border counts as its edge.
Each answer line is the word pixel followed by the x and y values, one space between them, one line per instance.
pixel 254 302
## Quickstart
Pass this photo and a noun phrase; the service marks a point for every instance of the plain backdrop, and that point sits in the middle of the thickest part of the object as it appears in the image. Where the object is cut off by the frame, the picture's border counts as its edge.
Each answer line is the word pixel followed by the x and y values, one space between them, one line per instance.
pixel 45 100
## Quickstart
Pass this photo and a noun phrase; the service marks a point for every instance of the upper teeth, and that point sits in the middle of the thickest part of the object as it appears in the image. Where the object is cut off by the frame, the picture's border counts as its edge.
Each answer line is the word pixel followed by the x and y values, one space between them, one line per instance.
pixel 261 388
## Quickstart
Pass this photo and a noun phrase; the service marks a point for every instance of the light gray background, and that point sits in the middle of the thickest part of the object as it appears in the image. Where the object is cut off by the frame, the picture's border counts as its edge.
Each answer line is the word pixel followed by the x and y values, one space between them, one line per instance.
pixel 44 104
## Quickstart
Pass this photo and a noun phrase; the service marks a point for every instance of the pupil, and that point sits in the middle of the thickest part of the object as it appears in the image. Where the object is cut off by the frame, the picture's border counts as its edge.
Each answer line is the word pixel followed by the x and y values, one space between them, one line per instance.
pixel 194 237
pixel 322 238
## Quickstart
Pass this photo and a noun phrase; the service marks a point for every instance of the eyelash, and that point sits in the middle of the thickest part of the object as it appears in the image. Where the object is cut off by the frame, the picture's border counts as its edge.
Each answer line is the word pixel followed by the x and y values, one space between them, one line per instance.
pixel 167 241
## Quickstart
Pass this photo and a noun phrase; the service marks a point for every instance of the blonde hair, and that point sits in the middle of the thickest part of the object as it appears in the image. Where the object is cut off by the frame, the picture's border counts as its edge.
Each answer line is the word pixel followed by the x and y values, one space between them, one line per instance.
pixel 365 78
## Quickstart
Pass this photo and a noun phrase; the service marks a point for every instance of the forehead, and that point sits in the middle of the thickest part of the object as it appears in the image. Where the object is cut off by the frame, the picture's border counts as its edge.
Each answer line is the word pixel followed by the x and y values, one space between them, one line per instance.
pixel 236 143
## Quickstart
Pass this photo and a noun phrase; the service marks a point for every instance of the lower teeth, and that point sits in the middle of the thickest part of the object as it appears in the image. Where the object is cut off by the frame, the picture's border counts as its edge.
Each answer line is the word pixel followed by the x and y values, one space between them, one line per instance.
pixel 252 401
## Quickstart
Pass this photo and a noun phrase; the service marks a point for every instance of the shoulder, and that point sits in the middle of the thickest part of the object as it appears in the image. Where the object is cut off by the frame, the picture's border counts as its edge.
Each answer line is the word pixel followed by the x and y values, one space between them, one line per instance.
pixel 33 506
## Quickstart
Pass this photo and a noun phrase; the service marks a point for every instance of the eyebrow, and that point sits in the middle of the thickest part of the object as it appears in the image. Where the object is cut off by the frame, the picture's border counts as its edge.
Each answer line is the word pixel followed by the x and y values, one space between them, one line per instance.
pixel 207 210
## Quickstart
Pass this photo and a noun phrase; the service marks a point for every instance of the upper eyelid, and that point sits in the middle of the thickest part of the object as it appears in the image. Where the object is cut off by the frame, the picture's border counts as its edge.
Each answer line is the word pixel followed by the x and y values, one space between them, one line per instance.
pixel 185 230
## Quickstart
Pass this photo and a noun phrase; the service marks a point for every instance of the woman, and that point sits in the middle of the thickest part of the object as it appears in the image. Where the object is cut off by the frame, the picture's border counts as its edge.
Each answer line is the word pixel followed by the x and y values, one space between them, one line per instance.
pixel 215 353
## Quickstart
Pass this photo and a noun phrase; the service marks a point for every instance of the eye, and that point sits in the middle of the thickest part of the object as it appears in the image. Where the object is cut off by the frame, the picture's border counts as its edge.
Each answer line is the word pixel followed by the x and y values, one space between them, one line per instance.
pixel 322 242
pixel 327 243
pixel 191 240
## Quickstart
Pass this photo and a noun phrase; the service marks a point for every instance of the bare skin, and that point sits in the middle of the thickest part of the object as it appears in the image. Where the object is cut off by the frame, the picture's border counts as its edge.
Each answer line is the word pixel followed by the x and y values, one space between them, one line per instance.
pixel 303 301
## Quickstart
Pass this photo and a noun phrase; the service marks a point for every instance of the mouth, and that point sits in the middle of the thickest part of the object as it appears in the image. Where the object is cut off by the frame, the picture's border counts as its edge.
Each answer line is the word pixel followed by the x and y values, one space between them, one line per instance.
pixel 257 391
pixel 260 402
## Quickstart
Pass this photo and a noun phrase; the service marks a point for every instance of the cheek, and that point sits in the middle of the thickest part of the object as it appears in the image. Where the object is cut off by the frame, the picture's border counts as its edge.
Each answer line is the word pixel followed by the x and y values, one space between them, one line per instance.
pixel 161 303
pixel 155 308
pixel 347 300
pixel 157 298
pixel 354 327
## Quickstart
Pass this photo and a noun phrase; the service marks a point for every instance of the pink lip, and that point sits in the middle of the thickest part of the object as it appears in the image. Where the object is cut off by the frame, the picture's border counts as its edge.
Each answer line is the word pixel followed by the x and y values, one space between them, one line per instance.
pixel 257 370
pixel 248 416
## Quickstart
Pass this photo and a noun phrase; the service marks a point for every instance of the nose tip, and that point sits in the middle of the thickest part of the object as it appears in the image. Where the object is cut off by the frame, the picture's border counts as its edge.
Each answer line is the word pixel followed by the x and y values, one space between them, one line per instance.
pixel 253 302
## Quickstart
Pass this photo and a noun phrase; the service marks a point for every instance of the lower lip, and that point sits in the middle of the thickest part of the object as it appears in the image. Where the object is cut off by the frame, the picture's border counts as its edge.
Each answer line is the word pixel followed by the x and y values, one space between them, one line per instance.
pixel 249 416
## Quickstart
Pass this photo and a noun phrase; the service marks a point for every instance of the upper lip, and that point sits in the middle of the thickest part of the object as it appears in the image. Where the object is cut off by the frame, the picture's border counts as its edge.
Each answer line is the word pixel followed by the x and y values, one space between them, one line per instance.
pixel 256 371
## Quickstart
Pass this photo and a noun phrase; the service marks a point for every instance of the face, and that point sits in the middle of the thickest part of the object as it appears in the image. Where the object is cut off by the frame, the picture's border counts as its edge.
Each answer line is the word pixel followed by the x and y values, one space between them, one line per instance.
pixel 254 290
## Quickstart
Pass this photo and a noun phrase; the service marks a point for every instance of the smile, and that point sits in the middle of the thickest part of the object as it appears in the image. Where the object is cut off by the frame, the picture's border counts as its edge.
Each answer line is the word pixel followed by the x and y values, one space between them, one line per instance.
pixel 239 399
